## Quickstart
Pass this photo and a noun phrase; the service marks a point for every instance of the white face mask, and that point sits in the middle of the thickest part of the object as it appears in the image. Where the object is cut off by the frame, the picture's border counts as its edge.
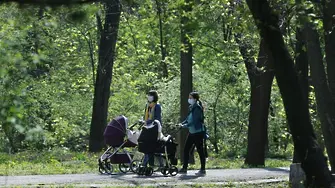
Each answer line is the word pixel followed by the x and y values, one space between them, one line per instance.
pixel 150 98
pixel 191 101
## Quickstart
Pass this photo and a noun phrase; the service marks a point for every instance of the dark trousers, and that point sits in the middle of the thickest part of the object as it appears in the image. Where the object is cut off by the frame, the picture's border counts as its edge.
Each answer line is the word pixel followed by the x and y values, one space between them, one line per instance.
pixel 196 139
pixel 149 158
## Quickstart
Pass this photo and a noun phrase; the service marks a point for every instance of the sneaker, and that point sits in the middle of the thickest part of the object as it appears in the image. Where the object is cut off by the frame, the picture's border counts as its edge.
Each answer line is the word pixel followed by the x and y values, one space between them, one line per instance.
pixel 183 171
pixel 201 173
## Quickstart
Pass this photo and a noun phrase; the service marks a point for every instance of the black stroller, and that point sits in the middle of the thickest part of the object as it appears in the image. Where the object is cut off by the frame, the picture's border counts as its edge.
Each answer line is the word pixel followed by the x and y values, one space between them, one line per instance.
pixel 149 142
pixel 118 137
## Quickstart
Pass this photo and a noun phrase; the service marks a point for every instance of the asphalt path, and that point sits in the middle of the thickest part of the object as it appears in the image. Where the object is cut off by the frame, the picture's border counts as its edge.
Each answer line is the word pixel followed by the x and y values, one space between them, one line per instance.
pixel 213 176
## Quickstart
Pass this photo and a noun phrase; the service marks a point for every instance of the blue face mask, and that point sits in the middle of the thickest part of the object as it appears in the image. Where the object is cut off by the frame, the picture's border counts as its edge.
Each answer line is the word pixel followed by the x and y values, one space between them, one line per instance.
pixel 191 101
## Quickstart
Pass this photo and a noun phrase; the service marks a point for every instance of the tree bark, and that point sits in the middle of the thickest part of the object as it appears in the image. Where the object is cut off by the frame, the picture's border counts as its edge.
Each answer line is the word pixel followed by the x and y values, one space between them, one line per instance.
pixel 325 104
pixel 313 160
pixel 186 83
pixel 104 74
pixel 259 108
pixel 329 33
pixel 260 84
pixel 301 66
pixel 162 45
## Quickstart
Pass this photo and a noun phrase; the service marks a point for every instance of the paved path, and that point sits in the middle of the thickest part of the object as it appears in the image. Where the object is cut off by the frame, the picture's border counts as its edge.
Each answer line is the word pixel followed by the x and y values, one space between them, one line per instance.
pixel 222 176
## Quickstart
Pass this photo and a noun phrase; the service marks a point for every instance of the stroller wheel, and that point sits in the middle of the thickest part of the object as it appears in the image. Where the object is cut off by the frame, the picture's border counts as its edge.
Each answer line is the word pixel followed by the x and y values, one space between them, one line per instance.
pixel 141 170
pixel 149 171
pixel 124 167
pixel 165 171
pixel 134 165
pixel 101 167
pixel 105 167
pixel 173 171
pixel 108 167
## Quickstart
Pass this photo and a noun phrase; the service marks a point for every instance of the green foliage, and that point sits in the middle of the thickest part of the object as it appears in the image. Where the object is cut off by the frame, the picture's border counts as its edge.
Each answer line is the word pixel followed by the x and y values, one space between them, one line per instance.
pixel 49 58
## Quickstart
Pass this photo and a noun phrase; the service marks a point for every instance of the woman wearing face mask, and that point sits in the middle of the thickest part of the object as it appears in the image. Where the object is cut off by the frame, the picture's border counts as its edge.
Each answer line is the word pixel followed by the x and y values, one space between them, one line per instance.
pixel 195 124
pixel 153 111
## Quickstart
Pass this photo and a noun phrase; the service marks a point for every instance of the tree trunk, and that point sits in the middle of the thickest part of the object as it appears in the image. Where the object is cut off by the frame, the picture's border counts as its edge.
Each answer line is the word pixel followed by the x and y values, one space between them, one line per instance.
pixel 186 83
pixel 162 46
pixel 329 30
pixel 215 143
pixel 259 108
pixel 104 74
pixel 260 83
pixel 301 66
pixel 296 108
pixel 325 104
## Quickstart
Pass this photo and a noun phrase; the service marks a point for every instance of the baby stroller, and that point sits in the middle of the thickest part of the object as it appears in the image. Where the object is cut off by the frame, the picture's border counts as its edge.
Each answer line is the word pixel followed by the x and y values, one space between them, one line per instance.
pixel 118 137
pixel 153 142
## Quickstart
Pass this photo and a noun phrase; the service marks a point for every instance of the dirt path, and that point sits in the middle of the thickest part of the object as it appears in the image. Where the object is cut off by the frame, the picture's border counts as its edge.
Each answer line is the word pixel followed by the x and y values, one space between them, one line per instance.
pixel 221 176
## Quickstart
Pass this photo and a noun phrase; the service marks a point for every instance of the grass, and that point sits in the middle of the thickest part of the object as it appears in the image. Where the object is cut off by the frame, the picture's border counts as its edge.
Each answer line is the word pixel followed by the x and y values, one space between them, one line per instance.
pixel 61 161
pixel 222 163
pixel 49 162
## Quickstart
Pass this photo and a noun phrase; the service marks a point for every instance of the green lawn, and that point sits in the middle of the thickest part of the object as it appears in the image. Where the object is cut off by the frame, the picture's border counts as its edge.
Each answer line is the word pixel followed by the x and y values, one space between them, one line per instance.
pixel 66 162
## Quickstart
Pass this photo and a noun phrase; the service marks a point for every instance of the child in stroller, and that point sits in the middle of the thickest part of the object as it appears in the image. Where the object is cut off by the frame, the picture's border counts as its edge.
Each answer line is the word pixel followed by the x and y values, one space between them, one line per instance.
pixel 119 137
pixel 152 142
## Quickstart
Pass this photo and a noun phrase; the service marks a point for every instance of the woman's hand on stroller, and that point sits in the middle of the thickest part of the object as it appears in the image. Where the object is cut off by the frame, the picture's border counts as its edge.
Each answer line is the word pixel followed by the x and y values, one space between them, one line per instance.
pixel 180 125
pixel 141 122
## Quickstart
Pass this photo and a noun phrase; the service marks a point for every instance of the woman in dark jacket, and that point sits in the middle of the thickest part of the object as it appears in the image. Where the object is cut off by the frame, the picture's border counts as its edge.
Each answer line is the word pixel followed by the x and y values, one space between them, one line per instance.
pixel 195 124
pixel 153 111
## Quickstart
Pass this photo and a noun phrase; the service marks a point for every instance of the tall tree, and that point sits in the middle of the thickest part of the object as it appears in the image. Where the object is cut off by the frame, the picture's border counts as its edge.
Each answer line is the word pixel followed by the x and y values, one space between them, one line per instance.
pixel 161 37
pixel 108 37
pixel 325 104
pixel 261 83
pixel 329 33
pixel 301 62
pixel 260 76
pixel 313 160
pixel 186 83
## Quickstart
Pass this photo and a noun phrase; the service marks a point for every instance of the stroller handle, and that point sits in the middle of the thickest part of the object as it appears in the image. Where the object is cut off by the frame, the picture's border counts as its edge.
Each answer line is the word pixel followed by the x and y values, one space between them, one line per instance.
pixel 133 125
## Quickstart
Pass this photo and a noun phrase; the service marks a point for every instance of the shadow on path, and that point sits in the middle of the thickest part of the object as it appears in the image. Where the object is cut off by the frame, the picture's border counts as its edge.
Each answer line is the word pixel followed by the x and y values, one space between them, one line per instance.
pixel 188 177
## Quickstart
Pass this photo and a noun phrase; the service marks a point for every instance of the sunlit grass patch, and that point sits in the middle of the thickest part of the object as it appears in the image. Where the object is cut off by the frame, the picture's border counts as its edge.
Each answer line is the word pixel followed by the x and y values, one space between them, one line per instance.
pixel 47 162
pixel 231 163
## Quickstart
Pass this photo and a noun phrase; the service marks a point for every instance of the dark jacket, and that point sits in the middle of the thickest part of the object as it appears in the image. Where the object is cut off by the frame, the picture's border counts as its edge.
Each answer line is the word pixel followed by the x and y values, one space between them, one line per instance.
pixel 157 114
pixel 197 116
